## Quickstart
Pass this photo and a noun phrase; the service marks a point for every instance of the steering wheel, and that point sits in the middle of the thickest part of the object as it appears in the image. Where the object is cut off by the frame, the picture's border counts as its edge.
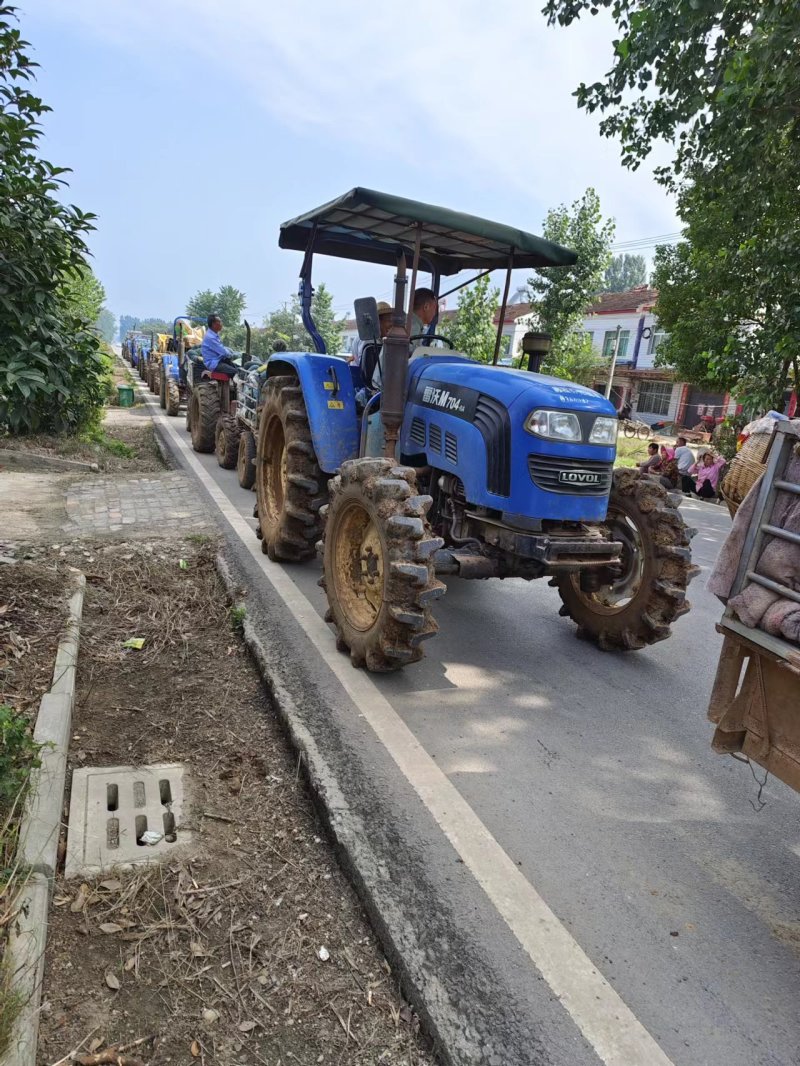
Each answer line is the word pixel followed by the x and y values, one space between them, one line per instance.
pixel 432 337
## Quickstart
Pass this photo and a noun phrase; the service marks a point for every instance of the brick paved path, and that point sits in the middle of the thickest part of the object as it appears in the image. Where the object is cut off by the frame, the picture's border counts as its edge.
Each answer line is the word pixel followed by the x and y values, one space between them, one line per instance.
pixel 148 505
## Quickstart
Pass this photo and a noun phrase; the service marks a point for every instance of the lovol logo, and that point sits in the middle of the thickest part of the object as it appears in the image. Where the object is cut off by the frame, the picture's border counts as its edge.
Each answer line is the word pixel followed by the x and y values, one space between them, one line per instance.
pixel 580 477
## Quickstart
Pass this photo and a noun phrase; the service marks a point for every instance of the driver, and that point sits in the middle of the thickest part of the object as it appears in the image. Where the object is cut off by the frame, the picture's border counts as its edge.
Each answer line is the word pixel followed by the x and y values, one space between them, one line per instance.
pixel 423 313
pixel 216 356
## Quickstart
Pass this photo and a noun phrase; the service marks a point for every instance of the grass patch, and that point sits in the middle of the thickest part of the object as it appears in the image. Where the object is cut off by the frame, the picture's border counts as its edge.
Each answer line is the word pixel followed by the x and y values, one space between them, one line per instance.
pixel 19 754
pixel 10 1007
pixel 112 445
pixel 630 452
pixel 237 617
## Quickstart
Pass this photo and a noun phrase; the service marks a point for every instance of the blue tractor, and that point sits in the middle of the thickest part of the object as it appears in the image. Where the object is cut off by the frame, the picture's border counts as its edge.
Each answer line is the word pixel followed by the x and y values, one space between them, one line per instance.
pixel 454 467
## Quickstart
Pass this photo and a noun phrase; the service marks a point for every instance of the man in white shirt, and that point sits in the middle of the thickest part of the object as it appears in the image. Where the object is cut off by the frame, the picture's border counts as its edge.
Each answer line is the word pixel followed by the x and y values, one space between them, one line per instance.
pixel 685 459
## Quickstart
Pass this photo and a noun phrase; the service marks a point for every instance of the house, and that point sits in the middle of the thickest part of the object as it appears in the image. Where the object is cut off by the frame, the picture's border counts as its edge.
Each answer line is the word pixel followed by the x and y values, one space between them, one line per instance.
pixel 653 392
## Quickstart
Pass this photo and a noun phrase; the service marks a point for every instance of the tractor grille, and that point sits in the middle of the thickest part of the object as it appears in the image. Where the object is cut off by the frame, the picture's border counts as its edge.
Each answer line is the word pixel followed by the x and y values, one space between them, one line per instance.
pixel 491 418
pixel 546 473
pixel 435 437
pixel 450 448
pixel 418 431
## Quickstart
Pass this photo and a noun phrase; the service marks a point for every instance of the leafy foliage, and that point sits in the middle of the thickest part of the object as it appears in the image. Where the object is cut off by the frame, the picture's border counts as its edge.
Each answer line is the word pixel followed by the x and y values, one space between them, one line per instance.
pixel 53 374
pixel 106 324
pixel 625 272
pixel 720 79
pixel 285 324
pixel 472 329
pixel 574 360
pixel 228 302
pixel 561 294
pixel 19 754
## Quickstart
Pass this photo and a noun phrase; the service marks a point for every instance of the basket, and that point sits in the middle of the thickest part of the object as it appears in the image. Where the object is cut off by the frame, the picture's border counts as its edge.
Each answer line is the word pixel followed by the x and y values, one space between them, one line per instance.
pixel 745 469
pixel 125 393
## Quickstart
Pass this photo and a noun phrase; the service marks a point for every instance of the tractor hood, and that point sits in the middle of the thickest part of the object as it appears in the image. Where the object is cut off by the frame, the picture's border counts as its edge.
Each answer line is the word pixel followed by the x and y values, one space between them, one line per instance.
pixel 454 381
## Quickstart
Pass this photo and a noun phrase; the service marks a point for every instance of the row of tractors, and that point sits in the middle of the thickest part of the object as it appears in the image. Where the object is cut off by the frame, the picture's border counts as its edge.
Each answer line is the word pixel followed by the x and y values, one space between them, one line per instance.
pixel 221 413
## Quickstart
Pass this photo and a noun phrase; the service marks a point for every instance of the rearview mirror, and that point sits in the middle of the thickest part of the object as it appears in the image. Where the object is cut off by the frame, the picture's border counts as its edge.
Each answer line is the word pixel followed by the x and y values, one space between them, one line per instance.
pixel 366 308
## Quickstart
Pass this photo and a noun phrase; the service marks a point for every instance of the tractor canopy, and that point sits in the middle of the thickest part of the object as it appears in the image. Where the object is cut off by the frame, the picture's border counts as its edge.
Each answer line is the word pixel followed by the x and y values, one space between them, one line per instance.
pixel 371 226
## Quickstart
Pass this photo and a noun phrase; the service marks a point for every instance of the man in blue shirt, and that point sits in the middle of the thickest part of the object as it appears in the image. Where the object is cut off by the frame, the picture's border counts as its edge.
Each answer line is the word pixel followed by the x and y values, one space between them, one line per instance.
pixel 215 355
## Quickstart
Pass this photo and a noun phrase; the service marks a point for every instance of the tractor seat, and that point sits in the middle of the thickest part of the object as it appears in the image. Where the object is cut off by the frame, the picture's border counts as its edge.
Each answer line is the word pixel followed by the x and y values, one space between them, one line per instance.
pixel 215 376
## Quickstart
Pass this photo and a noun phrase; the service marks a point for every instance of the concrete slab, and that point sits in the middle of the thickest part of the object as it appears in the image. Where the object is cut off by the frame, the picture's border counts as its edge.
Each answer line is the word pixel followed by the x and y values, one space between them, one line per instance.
pixel 111 810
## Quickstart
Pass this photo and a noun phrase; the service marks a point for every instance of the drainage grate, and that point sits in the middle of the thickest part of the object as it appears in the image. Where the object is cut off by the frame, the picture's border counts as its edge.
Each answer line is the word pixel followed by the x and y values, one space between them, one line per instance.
pixel 121 815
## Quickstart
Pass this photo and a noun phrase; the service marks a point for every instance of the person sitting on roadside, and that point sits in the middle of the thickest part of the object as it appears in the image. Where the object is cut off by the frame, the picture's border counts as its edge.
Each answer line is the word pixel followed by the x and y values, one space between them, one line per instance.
pixel 707 475
pixel 685 459
pixel 423 313
pixel 653 461
pixel 216 357
pixel 668 471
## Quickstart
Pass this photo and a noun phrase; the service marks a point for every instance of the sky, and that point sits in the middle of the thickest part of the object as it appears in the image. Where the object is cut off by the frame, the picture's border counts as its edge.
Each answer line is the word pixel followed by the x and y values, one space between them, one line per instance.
pixel 194 128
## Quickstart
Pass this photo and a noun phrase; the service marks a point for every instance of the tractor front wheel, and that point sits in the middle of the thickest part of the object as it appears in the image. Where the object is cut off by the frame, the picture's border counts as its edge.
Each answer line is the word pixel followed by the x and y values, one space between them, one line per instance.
pixel 173 404
pixel 203 417
pixel 245 460
pixel 227 443
pixel 290 485
pixel 638 607
pixel 378 569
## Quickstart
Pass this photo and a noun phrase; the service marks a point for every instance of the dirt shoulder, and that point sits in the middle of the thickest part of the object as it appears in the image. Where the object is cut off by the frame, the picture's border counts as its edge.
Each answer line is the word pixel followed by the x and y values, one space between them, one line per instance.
pixel 251 946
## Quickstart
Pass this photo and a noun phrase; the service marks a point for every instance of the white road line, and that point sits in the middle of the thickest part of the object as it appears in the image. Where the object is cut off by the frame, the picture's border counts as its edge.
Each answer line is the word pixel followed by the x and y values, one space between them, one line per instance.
pixel 605 1021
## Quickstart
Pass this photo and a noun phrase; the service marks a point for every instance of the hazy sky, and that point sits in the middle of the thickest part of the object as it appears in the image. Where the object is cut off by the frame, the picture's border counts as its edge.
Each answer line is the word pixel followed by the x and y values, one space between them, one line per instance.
pixel 194 128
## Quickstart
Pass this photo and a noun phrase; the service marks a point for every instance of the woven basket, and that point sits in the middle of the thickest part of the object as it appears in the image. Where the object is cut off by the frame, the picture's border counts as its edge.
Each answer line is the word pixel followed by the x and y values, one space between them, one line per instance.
pixel 745 469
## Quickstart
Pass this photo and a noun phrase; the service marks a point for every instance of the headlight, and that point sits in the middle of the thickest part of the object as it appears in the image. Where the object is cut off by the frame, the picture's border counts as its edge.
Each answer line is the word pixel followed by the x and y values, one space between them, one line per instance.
pixel 604 431
pixel 557 425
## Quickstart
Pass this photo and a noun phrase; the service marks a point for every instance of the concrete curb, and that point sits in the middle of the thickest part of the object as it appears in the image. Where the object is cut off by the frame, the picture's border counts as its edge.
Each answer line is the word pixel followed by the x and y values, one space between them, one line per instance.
pixel 38 847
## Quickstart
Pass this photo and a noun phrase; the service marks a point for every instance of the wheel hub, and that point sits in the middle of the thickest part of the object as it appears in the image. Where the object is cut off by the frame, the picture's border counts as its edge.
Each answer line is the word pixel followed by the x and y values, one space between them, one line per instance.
pixel 617 594
pixel 359 567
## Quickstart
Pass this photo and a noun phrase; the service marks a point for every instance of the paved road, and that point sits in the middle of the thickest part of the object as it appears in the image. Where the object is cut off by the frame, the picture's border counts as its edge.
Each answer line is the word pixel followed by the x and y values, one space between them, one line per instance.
pixel 593 773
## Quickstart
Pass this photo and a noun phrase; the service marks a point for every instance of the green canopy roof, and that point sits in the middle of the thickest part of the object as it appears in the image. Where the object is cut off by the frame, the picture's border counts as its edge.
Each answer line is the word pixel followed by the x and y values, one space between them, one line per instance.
pixel 370 226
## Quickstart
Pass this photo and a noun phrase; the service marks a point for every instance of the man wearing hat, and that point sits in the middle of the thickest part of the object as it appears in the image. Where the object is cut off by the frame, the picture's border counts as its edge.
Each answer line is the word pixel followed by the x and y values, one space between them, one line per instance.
pixel 384 324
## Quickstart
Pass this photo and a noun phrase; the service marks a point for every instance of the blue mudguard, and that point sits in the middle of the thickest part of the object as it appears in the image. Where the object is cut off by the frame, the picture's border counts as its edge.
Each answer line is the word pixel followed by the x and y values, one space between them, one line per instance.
pixel 328 385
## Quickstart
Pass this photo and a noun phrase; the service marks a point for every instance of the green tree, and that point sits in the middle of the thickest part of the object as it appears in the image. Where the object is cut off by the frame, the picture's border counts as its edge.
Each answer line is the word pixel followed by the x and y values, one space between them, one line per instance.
pixel 286 324
pixel 53 373
pixel 625 272
pixel 575 360
pixel 560 295
pixel 472 329
pixel 721 80
pixel 228 302
pixel 106 324
pixel 82 294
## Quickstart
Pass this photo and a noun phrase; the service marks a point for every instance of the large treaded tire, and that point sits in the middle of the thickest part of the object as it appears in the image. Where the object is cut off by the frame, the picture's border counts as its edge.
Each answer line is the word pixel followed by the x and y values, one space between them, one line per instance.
pixel 173 404
pixel 378 569
pixel 204 417
pixel 245 460
pixel 162 390
pixel 227 442
pixel 290 485
pixel 151 376
pixel 656 573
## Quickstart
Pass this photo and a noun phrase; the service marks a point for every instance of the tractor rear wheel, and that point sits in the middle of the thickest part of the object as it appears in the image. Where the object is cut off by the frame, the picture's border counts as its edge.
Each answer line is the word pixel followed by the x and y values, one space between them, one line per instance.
pixel 638 607
pixel 203 417
pixel 378 569
pixel 245 460
pixel 151 376
pixel 162 389
pixel 227 442
pixel 173 404
pixel 290 485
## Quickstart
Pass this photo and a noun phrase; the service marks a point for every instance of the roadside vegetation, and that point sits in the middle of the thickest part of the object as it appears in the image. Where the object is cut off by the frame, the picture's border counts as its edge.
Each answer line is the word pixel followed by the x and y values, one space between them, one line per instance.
pixel 54 368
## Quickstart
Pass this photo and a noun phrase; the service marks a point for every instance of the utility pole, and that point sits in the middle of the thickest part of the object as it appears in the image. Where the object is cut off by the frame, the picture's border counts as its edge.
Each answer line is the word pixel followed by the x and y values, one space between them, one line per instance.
pixel 613 363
